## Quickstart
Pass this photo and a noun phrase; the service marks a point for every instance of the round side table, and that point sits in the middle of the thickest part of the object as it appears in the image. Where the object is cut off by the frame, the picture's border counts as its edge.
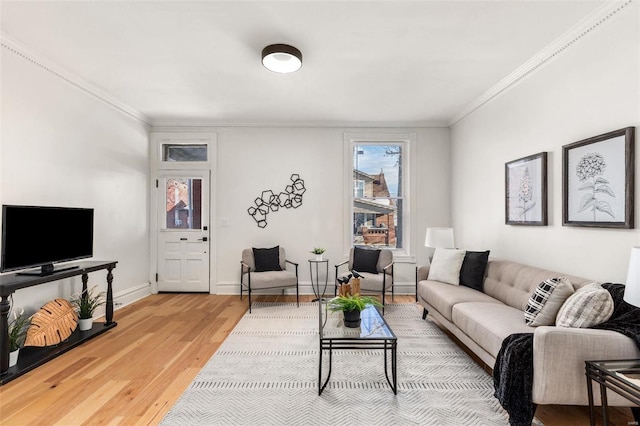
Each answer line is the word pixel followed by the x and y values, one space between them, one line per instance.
pixel 315 285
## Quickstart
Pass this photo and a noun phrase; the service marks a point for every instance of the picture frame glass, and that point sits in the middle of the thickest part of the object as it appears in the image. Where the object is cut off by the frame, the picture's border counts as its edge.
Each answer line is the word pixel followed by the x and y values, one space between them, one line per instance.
pixel 596 181
pixel 526 191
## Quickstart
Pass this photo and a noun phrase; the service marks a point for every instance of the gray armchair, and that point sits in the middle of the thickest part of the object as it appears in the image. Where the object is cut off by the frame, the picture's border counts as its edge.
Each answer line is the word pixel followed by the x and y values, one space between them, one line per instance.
pixel 377 277
pixel 271 272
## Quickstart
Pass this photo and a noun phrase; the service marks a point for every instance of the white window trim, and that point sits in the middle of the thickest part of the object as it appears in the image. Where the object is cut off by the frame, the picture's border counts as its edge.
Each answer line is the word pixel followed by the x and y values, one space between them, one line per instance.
pixel 160 138
pixel 407 253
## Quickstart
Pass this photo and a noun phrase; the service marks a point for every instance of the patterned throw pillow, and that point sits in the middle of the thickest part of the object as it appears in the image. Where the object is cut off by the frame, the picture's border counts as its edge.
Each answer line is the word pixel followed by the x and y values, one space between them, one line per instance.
pixel 546 301
pixel 446 264
pixel 590 305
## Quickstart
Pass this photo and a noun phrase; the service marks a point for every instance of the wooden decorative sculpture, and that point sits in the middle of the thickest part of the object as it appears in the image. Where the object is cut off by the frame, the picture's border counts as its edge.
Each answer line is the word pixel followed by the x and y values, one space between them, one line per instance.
pixel 52 324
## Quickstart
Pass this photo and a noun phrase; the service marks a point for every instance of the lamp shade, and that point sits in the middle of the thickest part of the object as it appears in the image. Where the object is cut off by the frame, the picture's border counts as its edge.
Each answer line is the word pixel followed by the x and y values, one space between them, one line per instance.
pixel 439 238
pixel 281 58
pixel 632 288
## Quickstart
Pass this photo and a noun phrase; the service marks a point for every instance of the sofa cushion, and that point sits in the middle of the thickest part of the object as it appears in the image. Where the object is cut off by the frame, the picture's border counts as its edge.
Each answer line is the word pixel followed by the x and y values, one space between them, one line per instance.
pixel 446 265
pixel 512 283
pixel 443 297
pixel 272 279
pixel 546 300
pixel 589 306
pixel 267 259
pixel 489 323
pixel 371 282
pixel 473 268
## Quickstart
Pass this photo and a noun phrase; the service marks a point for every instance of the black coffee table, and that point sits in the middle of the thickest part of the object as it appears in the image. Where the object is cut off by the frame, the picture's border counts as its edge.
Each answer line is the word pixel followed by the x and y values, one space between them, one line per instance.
pixel 373 334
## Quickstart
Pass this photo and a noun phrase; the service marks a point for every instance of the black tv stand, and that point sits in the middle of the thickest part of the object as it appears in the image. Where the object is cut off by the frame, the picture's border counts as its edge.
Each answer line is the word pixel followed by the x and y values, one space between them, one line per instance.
pixel 43 272
pixel 32 357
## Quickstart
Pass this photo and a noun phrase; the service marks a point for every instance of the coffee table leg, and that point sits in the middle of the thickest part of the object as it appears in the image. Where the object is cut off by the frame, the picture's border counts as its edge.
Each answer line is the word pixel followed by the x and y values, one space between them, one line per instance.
pixel 321 385
pixel 320 371
pixel 394 360
pixel 393 381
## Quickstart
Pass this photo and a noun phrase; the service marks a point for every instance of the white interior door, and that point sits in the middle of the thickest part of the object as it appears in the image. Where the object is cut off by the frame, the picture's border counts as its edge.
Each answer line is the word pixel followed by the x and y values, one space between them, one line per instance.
pixel 183 231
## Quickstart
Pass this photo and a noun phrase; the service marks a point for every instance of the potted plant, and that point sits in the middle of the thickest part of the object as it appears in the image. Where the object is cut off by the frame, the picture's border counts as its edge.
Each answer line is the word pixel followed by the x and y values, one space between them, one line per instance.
pixel 85 304
pixel 351 305
pixel 17 331
pixel 318 251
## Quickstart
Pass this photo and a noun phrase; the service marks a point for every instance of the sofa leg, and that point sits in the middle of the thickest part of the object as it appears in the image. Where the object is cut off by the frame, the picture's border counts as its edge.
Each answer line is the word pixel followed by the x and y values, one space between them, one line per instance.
pixel 424 313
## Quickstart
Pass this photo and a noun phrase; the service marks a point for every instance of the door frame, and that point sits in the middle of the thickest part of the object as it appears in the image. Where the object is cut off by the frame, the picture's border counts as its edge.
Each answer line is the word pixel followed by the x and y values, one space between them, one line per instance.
pixel 158 137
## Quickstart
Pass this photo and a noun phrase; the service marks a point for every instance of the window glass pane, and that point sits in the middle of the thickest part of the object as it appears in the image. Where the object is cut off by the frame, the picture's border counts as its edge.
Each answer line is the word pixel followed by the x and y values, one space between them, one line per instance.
pixel 184 203
pixel 376 224
pixel 380 165
pixel 377 202
pixel 180 152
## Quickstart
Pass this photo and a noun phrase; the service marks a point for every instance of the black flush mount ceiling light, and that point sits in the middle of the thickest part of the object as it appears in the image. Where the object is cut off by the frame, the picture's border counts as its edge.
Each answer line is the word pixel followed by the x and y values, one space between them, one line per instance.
pixel 281 58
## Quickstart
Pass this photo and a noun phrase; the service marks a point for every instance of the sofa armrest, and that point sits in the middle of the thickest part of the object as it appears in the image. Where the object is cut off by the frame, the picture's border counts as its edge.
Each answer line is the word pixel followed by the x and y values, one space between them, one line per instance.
pixel 422 272
pixel 559 354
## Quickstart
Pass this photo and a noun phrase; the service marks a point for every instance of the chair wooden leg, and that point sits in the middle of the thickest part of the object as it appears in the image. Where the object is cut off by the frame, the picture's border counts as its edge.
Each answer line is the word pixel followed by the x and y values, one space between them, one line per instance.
pixel 249 292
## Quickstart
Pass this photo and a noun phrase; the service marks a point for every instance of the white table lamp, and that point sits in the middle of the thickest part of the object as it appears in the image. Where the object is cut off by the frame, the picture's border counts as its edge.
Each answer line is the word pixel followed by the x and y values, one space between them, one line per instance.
pixel 632 288
pixel 439 238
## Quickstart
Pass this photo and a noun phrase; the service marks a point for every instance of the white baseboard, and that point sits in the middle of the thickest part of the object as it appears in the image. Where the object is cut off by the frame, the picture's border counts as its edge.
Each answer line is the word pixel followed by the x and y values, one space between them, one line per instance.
pixel 130 295
pixel 126 297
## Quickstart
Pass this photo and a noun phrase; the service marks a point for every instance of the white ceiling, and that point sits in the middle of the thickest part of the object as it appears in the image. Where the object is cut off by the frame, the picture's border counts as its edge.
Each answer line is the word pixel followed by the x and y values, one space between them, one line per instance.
pixel 363 61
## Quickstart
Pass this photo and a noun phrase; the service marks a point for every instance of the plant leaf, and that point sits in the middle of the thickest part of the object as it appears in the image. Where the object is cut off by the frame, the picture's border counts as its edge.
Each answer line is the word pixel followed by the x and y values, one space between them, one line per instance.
pixel 586 185
pixel 587 201
pixel 601 180
pixel 606 189
pixel 52 324
pixel 605 207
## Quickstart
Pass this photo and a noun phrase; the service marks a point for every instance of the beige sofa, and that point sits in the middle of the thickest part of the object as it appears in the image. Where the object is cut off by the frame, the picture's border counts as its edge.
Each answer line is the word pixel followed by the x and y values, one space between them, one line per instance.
pixel 481 320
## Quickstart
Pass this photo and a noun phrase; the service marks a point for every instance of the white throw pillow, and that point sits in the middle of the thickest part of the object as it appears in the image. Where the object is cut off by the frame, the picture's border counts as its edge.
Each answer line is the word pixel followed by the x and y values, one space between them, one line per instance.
pixel 445 266
pixel 546 301
pixel 590 305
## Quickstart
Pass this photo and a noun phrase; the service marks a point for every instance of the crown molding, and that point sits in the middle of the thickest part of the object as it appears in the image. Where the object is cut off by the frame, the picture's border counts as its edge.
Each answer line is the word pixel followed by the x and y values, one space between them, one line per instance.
pixel 212 124
pixel 583 28
pixel 56 70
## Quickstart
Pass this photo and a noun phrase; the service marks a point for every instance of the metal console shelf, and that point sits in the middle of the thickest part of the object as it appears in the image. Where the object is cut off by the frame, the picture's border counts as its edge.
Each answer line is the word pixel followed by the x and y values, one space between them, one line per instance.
pixel 32 357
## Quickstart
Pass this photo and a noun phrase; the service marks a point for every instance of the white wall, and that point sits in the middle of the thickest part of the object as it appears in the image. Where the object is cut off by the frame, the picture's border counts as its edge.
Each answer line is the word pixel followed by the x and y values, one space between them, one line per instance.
pixel 590 89
pixel 253 159
pixel 60 146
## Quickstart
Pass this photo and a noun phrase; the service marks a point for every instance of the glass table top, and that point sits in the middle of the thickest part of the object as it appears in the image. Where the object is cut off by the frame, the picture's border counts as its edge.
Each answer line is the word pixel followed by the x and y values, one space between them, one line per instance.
pixel 626 369
pixel 372 324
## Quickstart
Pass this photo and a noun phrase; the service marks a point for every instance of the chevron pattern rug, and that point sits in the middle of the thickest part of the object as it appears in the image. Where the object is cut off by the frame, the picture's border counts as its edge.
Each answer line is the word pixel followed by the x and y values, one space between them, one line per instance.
pixel 266 373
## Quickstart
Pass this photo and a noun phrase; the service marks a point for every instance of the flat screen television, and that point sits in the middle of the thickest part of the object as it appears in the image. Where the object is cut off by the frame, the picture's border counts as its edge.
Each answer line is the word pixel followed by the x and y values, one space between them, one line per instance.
pixel 35 236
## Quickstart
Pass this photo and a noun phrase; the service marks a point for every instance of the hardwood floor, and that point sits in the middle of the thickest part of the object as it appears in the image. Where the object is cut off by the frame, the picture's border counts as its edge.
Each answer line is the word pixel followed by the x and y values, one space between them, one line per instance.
pixel 136 372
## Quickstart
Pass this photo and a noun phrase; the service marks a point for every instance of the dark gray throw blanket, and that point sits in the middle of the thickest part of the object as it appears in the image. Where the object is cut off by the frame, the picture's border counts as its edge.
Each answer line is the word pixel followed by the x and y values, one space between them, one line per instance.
pixel 513 371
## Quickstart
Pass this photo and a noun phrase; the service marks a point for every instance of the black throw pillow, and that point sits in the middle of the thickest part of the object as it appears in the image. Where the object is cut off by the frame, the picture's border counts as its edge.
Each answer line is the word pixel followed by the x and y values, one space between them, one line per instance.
pixel 473 267
pixel 267 259
pixel 365 260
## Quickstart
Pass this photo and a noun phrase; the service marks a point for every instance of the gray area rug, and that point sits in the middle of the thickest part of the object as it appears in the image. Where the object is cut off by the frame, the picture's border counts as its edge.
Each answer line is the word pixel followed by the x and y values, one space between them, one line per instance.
pixel 266 373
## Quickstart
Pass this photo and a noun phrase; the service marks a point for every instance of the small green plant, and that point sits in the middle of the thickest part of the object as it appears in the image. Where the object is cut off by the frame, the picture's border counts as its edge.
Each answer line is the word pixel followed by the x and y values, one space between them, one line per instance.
pixel 317 250
pixel 17 329
pixel 87 302
pixel 350 303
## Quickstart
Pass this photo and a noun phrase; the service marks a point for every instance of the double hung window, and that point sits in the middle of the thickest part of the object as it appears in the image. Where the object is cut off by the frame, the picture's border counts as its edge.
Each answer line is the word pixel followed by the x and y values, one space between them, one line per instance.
pixel 378 173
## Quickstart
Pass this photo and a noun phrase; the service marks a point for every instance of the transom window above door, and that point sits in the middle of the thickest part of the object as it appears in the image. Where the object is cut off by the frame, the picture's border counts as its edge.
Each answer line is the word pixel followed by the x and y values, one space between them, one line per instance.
pixel 184 152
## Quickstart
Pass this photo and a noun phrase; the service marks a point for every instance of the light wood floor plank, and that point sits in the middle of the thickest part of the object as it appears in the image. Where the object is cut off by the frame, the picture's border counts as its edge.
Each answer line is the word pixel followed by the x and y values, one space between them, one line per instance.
pixel 133 374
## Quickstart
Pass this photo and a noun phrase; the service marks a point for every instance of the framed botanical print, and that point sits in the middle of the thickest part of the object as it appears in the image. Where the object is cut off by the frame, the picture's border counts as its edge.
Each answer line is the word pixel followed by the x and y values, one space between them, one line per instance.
pixel 526 190
pixel 598 181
